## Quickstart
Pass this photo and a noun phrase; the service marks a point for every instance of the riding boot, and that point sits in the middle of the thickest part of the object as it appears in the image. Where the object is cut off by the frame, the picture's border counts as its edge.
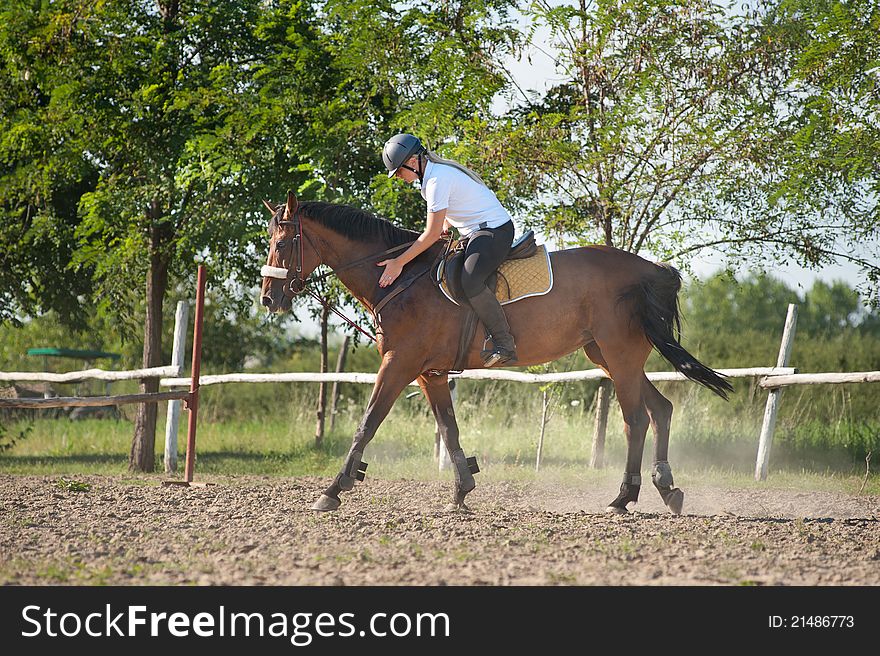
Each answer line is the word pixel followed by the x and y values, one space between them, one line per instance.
pixel 492 315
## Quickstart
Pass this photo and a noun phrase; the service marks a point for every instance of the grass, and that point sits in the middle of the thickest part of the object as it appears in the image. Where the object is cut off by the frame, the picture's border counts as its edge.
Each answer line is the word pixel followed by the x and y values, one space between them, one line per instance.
pixel 710 445
pixel 72 486
pixel 403 449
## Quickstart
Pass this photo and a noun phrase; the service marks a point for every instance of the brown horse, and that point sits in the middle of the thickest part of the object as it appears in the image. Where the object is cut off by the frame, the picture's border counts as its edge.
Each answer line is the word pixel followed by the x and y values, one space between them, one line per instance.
pixel 613 304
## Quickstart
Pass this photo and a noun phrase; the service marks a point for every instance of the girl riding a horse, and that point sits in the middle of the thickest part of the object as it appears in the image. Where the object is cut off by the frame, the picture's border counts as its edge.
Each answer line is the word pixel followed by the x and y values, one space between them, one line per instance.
pixel 457 197
pixel 614 305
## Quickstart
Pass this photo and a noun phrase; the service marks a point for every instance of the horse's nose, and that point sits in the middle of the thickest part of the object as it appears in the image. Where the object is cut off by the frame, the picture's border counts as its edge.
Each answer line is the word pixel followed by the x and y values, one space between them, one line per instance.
pixel 267 301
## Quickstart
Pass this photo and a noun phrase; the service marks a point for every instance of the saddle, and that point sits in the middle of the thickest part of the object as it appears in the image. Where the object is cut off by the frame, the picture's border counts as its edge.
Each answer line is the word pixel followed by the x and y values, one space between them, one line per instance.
pixel 448 273
pixel 525 272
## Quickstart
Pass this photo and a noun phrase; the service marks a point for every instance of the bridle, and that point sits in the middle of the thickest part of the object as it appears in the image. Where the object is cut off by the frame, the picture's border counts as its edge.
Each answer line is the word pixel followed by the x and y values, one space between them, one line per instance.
pixel 295 283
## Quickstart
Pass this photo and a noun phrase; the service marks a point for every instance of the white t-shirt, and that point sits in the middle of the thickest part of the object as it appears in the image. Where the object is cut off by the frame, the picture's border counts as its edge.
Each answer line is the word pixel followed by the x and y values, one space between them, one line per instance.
pixel 467 202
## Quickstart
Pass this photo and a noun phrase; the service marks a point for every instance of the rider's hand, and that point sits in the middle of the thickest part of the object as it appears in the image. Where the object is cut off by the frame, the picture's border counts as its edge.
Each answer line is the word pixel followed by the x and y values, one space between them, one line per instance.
pixel 392 270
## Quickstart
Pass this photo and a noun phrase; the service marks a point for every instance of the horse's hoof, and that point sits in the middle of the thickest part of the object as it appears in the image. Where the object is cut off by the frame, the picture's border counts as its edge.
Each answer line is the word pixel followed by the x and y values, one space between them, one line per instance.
pixel 326 504
pixel 616 510
pixel 459 508
pixel 674 501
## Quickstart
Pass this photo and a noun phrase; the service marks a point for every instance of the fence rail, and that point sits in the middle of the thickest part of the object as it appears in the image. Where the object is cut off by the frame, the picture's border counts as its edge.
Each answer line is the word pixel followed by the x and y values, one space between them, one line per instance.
pixel 820 379
pixel 473 374
pixel 83 401
pixel 89 374
pixel 173 397
pixel 774 379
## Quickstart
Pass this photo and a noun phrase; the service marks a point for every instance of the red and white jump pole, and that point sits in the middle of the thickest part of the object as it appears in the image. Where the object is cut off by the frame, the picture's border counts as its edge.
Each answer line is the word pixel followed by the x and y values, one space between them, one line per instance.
pixel 192 399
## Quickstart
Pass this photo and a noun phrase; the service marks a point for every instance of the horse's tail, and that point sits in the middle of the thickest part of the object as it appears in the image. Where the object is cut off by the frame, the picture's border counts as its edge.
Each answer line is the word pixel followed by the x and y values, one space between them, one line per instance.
pixel 655 305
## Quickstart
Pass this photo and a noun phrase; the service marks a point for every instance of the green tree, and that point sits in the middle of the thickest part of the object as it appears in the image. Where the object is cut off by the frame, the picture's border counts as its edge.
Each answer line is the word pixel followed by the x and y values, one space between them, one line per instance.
pixel 43 173
pixel 180 116
pixel 722 304
pixel 155 108
pixel 658 101
pixel 681 126
pixel 828 142
pixel 171 114
pixel 829 309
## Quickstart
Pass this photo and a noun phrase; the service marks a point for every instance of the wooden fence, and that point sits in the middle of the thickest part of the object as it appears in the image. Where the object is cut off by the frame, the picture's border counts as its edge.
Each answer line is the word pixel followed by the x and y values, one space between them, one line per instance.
pixel 773 379
pixel 190 396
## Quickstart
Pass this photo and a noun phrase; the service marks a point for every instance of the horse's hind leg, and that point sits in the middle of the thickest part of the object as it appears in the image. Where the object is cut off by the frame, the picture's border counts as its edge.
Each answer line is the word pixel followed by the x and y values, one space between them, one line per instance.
pixel 436 390
pixel 625 365
pixel 660 414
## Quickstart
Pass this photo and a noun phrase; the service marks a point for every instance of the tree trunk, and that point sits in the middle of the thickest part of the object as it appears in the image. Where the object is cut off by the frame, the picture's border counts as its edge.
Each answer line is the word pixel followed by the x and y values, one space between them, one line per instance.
pixel 322 394
pixel 340 367
pixel 142 457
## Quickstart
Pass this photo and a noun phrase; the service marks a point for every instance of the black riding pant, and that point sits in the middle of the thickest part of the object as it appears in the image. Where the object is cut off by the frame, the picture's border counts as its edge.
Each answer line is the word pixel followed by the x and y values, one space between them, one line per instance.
pixel 485 251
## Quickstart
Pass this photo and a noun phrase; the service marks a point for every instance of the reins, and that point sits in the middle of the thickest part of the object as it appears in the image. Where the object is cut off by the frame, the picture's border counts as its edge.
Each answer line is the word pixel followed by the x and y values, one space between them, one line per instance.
pixel 302 283
pixel 339 314
pixel 362 260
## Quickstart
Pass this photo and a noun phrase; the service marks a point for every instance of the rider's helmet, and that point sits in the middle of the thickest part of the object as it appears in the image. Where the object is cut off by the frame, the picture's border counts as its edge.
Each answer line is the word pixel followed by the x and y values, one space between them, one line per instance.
pixel 398 149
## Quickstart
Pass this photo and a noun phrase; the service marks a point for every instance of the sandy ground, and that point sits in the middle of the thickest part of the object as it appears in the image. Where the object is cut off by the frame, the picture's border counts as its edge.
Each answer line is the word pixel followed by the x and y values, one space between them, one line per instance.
pixel 260 531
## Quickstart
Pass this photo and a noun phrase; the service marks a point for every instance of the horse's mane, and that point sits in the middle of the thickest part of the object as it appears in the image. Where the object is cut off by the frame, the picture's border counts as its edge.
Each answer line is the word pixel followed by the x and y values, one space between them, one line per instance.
pixel 355 223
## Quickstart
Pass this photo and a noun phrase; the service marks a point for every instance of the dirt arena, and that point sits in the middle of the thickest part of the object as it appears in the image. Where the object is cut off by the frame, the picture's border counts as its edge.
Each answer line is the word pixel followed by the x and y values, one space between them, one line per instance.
pixel 260 531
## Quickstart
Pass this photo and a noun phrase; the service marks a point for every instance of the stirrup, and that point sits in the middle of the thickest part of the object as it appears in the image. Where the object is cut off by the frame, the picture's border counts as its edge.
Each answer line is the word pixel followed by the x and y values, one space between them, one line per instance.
pixel 498 356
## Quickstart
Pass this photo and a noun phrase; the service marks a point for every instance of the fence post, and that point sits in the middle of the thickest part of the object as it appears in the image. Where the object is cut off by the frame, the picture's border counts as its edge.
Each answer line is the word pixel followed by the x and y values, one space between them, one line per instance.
pixel 173 417
pixel 545 405
pixel 603 397
pixel 773 397
pixel 340 367
pixel 193 403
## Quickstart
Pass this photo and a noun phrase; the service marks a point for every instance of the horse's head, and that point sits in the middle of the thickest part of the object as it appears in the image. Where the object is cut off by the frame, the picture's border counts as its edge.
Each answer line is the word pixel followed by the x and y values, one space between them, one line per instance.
pixel 292 256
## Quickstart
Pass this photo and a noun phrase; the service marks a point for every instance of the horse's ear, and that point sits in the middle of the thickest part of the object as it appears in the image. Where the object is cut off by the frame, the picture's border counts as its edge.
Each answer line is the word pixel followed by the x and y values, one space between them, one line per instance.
pixel 291 203
pixel 269 206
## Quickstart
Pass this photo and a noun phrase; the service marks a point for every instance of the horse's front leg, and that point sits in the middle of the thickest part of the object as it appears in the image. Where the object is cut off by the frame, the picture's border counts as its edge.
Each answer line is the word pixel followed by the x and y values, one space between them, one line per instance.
pixel 436 390
pixel 392 378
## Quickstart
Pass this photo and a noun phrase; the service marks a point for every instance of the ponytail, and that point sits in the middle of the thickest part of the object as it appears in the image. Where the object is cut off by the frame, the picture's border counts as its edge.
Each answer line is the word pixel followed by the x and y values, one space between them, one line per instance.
pixel 436 159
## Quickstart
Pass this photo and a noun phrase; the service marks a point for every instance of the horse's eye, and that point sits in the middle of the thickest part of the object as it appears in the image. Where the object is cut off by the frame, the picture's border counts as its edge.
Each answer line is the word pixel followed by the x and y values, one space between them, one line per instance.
pixel 280 245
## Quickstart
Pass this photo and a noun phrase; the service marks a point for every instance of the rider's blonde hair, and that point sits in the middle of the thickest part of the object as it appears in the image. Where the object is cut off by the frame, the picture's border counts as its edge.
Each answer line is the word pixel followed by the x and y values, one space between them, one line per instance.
pixel 431 156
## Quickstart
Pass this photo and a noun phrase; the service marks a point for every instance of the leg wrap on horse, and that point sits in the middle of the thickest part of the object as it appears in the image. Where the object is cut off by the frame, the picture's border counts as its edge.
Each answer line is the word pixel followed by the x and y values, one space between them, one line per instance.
pixel 671 495
pixel 353 469
pixel 629 491
pixel 465 468
pixel 662 475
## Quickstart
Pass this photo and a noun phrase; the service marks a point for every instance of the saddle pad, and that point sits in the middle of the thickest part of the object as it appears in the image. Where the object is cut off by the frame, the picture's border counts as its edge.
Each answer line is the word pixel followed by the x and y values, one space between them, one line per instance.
pixel 519 279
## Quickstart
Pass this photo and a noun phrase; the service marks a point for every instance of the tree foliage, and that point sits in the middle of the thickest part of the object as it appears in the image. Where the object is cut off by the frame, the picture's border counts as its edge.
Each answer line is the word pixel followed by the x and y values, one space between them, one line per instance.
pixel 42 171
pixel 139 136
pixel 680 127
pixel 828 145
pixel 722 304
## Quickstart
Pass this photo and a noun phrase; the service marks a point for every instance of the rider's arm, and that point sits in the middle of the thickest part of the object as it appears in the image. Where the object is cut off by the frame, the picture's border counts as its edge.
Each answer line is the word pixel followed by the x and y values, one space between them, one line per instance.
pixel 431 233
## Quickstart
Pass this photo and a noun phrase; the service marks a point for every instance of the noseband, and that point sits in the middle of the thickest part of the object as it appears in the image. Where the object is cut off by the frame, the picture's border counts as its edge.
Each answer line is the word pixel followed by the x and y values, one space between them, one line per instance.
pixel 295 283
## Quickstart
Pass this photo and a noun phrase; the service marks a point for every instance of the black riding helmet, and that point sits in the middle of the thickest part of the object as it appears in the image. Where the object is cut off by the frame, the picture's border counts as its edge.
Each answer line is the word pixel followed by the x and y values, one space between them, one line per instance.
pixel 398 149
